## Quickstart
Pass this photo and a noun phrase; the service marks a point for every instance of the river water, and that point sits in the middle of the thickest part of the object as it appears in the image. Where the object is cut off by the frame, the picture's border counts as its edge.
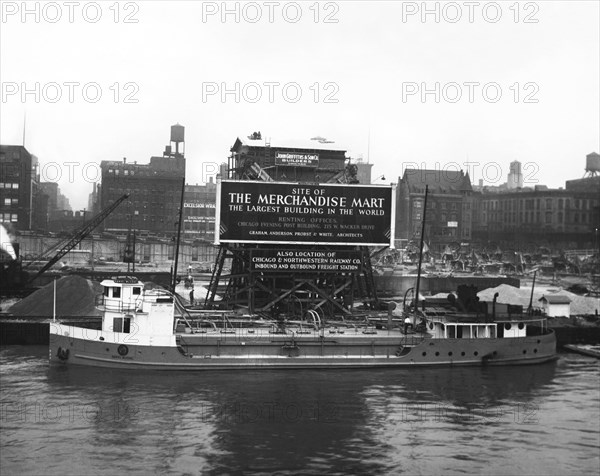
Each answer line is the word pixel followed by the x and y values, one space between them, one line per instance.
pixel 540 419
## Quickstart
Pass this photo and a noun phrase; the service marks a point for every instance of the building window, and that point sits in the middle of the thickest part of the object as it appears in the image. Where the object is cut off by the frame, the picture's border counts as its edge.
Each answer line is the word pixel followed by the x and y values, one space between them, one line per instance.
pixel 14 218
pixel 548 203
pixel 7 201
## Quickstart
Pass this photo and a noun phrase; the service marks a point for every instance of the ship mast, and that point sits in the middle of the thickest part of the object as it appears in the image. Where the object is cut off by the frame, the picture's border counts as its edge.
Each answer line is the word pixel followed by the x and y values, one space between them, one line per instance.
pixel 420 256
pixel 178 237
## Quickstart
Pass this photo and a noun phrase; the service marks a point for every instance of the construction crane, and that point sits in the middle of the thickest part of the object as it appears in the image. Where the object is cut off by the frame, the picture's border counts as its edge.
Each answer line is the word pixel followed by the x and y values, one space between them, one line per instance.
pixel 77 237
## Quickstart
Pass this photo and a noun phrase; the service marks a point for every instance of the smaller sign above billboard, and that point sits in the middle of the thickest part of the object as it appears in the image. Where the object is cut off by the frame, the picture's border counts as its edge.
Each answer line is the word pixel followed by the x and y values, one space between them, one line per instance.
pixel 297 160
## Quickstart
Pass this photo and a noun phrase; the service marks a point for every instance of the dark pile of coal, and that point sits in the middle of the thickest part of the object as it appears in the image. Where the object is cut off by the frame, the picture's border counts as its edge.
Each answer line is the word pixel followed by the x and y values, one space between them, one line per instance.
pixel 75 296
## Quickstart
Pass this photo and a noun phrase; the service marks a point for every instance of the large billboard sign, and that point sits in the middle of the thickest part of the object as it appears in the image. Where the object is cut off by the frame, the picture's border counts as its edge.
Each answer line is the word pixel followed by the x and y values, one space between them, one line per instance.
pixel 301 213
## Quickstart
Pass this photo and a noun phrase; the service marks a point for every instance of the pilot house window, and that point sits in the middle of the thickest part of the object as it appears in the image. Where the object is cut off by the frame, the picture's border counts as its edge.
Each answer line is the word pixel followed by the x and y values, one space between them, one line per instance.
pixel 122 324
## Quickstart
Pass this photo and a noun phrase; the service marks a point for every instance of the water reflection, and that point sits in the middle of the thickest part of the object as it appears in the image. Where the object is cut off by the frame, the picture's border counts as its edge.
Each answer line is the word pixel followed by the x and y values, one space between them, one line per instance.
pixel 366 421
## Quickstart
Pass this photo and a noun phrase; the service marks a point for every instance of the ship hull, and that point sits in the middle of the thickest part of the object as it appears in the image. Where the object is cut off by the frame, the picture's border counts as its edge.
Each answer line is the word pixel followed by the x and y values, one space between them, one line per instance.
pixel 69 346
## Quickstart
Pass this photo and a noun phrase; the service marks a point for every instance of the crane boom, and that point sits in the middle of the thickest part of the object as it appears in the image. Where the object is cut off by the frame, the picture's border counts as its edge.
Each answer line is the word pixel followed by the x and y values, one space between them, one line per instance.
pixel 80 235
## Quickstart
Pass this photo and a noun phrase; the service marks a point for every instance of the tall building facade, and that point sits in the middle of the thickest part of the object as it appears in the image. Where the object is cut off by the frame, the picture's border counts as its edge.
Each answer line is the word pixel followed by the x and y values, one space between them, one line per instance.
pixel 449 206
pixel 154 194
pixel 18 181
pixel 154 191
pixel 515 176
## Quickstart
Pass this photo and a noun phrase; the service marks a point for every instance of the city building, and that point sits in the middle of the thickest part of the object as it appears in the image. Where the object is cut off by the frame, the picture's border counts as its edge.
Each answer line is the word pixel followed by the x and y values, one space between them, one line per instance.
pixel 363 171
pixel 18 182
pixel 315 160
pixel 449 207
pixel 199 206
pixel 515 176
pixel 563 217
pixel 154 191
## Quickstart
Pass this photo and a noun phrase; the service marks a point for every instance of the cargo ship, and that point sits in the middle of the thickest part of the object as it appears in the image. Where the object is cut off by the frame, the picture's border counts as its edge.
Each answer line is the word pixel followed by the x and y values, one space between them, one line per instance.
pixel 152 329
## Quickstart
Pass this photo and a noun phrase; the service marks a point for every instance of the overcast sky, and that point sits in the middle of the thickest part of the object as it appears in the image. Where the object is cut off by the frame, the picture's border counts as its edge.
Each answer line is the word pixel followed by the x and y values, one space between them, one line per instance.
pixel 479 82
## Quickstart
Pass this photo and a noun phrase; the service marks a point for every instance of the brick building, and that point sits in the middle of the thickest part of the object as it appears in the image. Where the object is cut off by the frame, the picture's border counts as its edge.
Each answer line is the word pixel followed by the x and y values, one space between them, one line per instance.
pixel 17 184
pixel 449 206
pixel 154 194
pixel 562 217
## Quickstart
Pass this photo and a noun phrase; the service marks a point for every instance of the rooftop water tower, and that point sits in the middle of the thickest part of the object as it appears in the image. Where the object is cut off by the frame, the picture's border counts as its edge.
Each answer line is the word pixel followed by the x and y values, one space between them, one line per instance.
pixel 592 165
pixel 177 137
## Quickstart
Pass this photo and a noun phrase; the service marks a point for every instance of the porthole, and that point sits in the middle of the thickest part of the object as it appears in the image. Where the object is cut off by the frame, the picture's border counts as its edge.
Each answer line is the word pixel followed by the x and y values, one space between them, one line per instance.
pixel 535 351
pixel 450 353
pixel 437 354
pixel 507 326
pixel 539 341
pixel 521 325
pixel 431 325
pixel 475 353
pixel 462 353
pixel 424 354
pixel 524 351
